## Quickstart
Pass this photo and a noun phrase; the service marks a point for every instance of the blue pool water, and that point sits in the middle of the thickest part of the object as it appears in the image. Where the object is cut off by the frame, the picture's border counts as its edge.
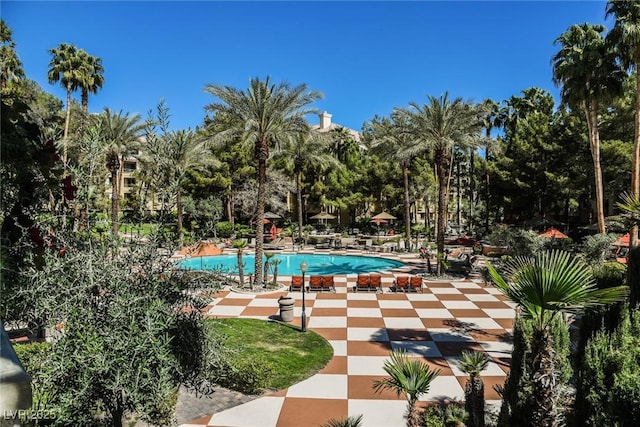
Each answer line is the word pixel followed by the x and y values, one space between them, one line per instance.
pixel 290 265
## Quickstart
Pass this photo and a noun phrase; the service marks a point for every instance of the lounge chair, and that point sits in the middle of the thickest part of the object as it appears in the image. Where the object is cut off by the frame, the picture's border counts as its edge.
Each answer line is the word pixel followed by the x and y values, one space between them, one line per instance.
pixel 296 284
pixel 315 283
pixel 375 282
pixel 362 283
pixel 275 244
pixel 415 283
pixel 328 283
pixel 401 283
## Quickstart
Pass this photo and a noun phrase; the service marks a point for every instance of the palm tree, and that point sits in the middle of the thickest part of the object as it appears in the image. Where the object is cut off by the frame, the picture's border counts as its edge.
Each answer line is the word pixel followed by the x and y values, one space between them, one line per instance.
pixel 490 120
pixel 186 152
pixel 410 377
pixel 625 34
pixel 119 136
pixel 586 69
pixel 300 150
pixel 440 126
pixel 266 113
pixel 240 244
pixel 395 142
pixel 549 285
pixel 10 65
pixel 472 364
pixel 91 79
pixel 66 67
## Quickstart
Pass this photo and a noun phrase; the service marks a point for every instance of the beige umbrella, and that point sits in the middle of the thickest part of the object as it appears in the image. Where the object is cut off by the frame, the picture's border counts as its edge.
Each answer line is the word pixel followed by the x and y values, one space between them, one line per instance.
pixel 323 215
pixel 384 215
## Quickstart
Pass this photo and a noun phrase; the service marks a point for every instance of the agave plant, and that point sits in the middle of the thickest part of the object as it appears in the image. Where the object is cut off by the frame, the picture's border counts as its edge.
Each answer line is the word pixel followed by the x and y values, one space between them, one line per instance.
pixel 472 364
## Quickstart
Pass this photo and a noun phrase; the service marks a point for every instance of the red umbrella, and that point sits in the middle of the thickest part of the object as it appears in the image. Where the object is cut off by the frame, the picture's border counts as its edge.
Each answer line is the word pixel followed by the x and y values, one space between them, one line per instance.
pixel 553 233
pixel 273 231
pixel 622 240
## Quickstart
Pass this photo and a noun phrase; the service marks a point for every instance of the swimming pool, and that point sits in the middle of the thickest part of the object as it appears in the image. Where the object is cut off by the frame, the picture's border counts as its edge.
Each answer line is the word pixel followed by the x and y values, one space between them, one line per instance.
pixel 290 264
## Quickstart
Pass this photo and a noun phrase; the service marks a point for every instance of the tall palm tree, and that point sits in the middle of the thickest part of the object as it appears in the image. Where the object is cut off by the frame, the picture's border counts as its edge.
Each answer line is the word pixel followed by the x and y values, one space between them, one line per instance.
pixel 472 364
pixel 91 79
pixel 66 67
pixel 586 69
pixel 299 151
pixel 186 152
pixel 625 34
pixel 267 113
pixel 544 287
pixel 440 126
pixel 410 377
pixel 119 136
pixel 490 120
pixel 394 141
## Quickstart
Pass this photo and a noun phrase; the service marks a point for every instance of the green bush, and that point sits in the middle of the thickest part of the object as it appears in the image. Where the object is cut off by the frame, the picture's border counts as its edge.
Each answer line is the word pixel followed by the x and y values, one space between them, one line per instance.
pixel 608 385
pixel 224 229
pixel 594 249
pixel 517 393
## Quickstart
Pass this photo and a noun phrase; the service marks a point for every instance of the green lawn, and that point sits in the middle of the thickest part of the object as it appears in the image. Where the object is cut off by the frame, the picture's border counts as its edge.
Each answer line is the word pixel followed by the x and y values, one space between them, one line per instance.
pixel 291 354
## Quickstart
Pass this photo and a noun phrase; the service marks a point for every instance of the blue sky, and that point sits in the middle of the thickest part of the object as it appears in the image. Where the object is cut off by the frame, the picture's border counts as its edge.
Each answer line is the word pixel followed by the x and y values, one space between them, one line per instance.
pixel 366 57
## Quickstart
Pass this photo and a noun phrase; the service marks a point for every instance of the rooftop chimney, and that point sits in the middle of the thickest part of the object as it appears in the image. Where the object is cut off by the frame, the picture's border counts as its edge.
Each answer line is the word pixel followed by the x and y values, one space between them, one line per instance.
pixel 325 120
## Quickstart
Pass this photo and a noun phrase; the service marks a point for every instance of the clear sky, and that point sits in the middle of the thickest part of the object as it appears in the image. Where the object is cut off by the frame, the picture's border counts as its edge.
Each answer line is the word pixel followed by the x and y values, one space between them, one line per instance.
pixel 366 57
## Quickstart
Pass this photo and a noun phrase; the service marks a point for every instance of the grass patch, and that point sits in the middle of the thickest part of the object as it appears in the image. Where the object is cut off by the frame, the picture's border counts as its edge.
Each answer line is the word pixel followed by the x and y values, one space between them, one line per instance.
pixel 290 354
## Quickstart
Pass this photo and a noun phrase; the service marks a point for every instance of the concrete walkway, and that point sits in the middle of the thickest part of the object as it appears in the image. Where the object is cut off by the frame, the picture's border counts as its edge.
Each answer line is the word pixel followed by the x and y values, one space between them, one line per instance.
pixel 363 328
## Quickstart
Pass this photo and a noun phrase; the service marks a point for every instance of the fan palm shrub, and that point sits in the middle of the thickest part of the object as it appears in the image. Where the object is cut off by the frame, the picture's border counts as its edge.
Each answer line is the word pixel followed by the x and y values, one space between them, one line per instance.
pixel 545 287
pixel 410 377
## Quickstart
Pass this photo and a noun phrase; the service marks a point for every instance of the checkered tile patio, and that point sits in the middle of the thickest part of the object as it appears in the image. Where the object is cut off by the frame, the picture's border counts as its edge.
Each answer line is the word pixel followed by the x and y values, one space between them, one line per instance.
pixel 363 328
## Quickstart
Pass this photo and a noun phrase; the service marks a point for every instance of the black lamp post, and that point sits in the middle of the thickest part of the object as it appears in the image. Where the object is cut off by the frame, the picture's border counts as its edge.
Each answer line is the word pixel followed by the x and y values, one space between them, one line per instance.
pixel 303 269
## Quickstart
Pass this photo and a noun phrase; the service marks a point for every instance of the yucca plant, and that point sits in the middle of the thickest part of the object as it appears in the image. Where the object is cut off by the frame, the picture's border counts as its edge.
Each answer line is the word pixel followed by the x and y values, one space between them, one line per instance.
pixel 544 287
pixel 410 377
pixel 472 364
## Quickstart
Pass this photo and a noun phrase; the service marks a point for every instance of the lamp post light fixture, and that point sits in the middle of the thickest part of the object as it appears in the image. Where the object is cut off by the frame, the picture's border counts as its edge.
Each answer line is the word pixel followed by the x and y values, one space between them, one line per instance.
pixel 303 269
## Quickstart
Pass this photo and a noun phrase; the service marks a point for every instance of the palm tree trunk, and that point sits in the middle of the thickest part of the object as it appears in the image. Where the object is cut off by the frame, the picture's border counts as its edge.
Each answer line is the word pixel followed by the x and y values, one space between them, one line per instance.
pixel 179 209
pixel 114 202
pixel 635 167
pixel 442 202
pixel 230 204
pixel 407 207
pixel 594 141
pixel 67 119
pixel 474 401
pixel 299 200
pixel 262 153
pixel 85 101
pixel 240 268
pixel 545 404
pixel 413 414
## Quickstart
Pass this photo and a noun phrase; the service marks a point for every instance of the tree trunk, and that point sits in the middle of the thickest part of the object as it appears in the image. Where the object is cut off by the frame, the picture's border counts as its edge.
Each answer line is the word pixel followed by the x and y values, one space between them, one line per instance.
pixel 635 167
pixel 240 268
pixel 413 415
pixel 114 202
pixel 67 119
pixel 441 165
pixel 474 401
pixel 85 101
pixel 545 404
pixel 591 111
pixel 179 209
pixel 262 153
pixel 299 200
pixel 407 208
pixel 230 205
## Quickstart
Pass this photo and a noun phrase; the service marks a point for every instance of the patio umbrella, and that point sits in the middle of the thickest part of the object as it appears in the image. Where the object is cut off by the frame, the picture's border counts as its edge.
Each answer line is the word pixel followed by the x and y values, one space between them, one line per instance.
pixel 384 215
pixel 271 215
pixel 273 231
pixel 379 220
pixel 553 233
pixel 323 215
pixel 622 240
